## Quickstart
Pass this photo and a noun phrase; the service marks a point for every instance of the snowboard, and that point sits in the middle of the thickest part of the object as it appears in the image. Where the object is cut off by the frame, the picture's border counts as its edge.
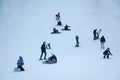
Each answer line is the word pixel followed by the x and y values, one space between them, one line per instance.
pixel 66 29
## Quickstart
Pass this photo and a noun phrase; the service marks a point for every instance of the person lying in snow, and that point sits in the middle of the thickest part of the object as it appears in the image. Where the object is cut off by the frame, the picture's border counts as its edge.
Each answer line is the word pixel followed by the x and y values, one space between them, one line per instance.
pixel 51 60
pixel 66 28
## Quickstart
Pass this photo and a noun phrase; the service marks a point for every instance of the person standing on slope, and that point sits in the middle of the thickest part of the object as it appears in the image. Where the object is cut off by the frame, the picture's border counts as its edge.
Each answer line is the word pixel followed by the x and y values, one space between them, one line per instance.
pixel 102 41
pixel 77 41
pixel 94 34
pixel 43 50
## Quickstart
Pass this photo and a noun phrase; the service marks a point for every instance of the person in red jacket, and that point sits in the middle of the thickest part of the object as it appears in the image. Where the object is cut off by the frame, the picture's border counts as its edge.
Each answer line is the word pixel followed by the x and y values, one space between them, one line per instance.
pixel 58 16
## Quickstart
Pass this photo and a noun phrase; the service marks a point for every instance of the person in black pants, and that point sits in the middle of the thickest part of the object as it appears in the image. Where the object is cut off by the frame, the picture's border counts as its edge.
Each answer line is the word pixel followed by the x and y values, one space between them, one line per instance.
pixel 43 50
pixel 95 34
pixel 102 41
pixel 77 41
pixel 107 53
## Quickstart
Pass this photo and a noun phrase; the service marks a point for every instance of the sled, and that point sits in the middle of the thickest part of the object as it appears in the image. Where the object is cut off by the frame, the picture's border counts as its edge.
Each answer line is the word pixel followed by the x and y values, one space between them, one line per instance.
pixel 17 69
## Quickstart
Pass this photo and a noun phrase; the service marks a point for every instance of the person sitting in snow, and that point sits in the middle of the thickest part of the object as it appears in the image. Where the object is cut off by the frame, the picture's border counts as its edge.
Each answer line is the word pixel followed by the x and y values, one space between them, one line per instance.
pixel 51 60
pixel 59 23
pixel 66 27
pixel 20 63
pixel 55 31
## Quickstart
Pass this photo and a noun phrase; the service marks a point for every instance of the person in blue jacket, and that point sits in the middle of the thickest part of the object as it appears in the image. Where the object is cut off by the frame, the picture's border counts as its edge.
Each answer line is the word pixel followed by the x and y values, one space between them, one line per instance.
pixel 20 63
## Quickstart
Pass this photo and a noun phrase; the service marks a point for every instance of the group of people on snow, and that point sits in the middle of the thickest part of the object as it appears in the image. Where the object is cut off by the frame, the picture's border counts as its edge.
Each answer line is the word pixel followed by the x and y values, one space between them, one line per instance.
pixel 96 34
pixel 50 60
pixel 53 59
pixel 59 23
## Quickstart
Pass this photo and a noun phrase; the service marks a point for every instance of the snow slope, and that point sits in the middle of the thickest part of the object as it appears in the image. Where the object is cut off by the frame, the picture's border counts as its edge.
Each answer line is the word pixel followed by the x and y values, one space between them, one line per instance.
pixel 25 24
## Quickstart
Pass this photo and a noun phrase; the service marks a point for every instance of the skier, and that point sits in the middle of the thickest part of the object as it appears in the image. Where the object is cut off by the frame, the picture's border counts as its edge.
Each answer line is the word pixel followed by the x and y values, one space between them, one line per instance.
pixel 94 34
pixel 107 53
pixel 58 16
pixel 51 60
pixel 59 23
pixel 43 50
pixel 77 41
pixel 102 41
pixel 20 63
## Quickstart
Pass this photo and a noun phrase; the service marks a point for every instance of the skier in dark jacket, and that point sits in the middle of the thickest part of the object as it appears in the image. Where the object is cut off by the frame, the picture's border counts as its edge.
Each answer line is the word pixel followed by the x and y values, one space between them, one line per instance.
pixel 107 53
pixel 95 34
pixel 43 50
pixel 51 60
pixel 20 63
pixel 102 40
pixel 77 41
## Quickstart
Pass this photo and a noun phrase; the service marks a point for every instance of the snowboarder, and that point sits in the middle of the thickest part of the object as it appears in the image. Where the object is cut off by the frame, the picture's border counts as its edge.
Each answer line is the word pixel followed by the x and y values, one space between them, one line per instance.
pixel 107 53
pixel 102 41
pixel 51 60
pixel 20 63
pixel 94 34
pixel 77 41
pixel 43 50
pixel 58 16
pixel 66 27
pixel 59 23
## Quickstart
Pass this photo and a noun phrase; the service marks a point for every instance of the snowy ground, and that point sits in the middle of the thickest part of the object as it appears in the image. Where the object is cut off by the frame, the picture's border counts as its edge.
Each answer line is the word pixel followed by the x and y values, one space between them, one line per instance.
pixel 25 24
